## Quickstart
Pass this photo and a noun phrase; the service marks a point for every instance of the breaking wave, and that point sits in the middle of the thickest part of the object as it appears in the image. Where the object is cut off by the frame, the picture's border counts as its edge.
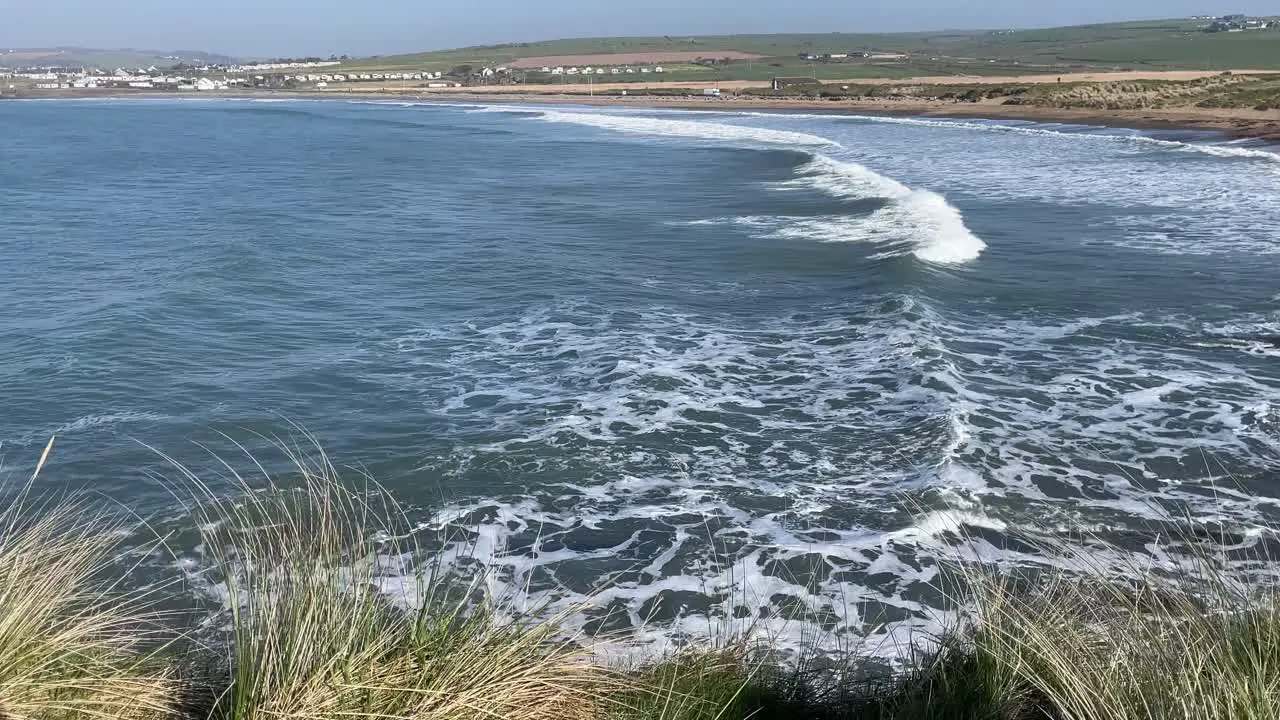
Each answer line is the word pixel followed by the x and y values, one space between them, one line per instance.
pixel 668 127
pixel 919 222
pixel 923 221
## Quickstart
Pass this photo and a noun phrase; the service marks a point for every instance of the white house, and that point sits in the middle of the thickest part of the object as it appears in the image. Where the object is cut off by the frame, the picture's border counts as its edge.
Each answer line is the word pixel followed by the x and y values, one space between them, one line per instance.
pixel 601 71
pixel 571 71
pixel 205 85
pixel 546 69
pixel 631 71
pixel 557 71
pixel 659 69
pixel 615 71
pixel 644 71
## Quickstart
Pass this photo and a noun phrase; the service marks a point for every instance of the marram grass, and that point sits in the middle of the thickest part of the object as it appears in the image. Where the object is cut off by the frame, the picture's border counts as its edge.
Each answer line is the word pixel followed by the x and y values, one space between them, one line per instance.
pixel 69 639
pixel 311 630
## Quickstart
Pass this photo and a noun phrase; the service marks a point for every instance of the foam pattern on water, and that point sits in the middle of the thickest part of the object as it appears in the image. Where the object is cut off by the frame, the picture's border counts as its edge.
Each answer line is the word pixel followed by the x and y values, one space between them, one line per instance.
pixel 689 475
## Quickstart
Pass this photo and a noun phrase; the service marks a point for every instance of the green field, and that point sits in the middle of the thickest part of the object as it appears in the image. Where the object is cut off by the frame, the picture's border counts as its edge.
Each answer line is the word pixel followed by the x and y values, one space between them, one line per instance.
pixel 1157 45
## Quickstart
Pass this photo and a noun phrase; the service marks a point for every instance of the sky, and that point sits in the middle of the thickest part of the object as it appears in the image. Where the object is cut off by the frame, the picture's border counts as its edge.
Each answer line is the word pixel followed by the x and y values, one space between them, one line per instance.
pixel 264 28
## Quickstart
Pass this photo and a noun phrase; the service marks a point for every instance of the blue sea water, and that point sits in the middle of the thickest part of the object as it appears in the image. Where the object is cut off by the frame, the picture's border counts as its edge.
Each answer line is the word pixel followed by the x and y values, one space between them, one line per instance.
pixel 737 363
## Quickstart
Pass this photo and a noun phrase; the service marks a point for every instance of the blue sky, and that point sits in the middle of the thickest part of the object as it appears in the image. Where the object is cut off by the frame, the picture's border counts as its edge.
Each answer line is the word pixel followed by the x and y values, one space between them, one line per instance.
pixel 280 27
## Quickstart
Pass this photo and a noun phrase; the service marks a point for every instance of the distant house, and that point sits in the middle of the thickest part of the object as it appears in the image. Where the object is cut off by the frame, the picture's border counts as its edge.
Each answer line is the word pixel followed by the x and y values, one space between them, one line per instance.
pixel 837 56
pixel 645 71
pixel 557 71
pixel 659 69
pixel 546 69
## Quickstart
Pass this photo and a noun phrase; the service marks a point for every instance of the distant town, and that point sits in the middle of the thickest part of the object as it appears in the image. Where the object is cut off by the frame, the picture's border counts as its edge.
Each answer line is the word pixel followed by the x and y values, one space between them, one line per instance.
pixel 20 73
pixel 210 77
pixel 1240 23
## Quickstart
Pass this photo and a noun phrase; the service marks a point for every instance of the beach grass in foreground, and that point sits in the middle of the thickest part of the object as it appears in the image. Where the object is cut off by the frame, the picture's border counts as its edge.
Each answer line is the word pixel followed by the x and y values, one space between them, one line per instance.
pixel 311 629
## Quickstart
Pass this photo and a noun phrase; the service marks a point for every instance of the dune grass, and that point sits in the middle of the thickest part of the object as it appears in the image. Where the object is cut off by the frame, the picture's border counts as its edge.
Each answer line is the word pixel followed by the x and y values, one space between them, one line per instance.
pixel 331 610
pixel 69 638
pixel 315 631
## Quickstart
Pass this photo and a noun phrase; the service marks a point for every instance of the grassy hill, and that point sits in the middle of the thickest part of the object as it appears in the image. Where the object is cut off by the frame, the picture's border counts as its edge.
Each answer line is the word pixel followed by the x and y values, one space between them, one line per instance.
pixel 1170 44
pixel 94 57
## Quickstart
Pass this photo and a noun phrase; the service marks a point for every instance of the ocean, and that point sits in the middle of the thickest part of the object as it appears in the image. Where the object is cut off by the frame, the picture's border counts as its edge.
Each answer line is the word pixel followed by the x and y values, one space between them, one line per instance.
pixel 676 370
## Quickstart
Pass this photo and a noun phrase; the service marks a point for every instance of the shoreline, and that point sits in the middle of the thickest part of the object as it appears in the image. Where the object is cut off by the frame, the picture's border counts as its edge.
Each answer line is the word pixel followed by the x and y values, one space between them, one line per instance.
pixel 1232 123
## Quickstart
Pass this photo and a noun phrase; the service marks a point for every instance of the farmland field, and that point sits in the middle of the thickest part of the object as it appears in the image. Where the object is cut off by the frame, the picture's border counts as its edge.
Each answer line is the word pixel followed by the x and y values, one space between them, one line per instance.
pixel 1157 45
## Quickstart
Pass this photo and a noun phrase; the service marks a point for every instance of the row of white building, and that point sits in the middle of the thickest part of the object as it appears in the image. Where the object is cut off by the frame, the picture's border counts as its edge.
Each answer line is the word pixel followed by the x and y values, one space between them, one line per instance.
pixel 364 77
pixel 602 71
pixel 140 82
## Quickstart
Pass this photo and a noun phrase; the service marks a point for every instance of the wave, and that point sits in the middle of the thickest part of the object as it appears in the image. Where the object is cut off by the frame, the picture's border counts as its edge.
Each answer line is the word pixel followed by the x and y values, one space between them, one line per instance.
pixel 93 421
pixel 921 220
pixel 1223 151
pixel 666 127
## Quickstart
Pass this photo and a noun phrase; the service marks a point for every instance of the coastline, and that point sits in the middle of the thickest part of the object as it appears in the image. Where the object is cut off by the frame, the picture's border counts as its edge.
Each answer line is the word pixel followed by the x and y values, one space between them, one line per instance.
pixel 1232 123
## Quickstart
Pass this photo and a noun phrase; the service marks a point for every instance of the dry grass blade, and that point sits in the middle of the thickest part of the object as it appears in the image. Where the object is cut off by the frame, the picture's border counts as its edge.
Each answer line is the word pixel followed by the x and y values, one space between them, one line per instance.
pixel 68 638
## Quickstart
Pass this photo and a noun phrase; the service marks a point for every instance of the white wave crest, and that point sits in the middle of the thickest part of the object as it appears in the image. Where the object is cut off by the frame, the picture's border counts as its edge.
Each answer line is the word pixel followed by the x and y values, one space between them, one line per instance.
pixel 670 127
pixel 921 220
pixel 1223 151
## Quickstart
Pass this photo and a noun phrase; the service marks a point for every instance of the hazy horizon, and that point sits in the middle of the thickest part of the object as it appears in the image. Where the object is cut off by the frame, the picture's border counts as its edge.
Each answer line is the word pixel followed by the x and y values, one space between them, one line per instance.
pixel 382 27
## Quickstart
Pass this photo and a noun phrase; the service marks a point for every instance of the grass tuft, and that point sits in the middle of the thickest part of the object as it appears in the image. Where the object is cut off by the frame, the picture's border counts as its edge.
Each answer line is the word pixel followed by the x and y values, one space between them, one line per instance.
pixel 329 615
pixel 70 639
